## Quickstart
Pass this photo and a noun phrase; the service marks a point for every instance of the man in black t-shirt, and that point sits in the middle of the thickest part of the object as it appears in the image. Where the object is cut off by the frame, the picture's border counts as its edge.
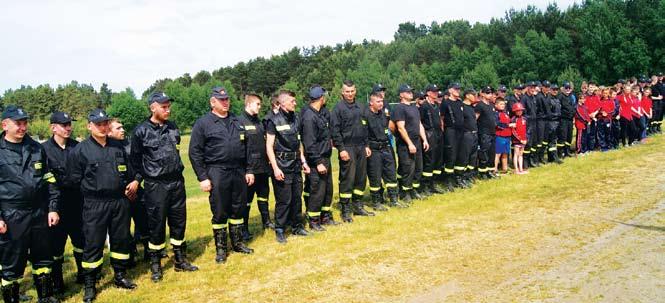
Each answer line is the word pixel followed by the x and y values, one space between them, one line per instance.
pixel 486 134
pixel 409 133
pixel 452 115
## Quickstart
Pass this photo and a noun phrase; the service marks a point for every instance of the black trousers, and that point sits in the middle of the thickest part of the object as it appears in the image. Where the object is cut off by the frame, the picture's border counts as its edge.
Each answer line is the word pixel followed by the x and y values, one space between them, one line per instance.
pixel 320 189
pixel 628 131
pixel 433 158
pixel 551 137
pixel 165 204
pixel 139 216
pixel 381 166
pixel 228 196
pixel 102 217
pixel 408 163
pixel 453 139
pixel 541 126
pixel 657 112
pixel 353 173
pixel 71 225
pixel 27 238
pixel 469 151
pixel 592 135
pixel 532 137
pixel 288 200
pixel 605 134
pixel 564 133
pixel 486 152
pixel 616 133
pixel 260 188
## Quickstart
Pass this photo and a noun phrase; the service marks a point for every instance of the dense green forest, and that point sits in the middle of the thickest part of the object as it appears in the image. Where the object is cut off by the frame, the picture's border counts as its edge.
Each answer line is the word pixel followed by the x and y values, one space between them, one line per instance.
pixel 595 40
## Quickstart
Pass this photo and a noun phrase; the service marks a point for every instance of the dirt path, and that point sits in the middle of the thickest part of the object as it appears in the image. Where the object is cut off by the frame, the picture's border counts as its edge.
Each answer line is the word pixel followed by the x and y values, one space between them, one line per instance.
pixel 624 264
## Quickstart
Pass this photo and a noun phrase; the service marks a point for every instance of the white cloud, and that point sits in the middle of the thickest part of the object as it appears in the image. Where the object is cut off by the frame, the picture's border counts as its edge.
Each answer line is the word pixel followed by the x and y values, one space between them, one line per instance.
pixel 133 43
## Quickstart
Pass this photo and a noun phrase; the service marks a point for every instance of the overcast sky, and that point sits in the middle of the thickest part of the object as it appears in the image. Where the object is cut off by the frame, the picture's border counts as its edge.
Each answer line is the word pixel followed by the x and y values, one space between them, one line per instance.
pixel 132 43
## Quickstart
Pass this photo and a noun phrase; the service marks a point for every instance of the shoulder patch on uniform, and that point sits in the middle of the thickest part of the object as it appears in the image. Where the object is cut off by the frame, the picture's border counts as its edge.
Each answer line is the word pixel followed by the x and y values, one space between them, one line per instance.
pixel 250 127
pixel 38 165
pixel 122 168
pixel 283 127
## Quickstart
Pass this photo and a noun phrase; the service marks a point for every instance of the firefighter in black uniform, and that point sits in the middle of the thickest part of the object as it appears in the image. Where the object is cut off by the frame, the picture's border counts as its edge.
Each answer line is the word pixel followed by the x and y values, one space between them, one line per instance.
pixel 542 118
pixel 28 207
pixel 470 147
pixel 349 135
pixel 57 148
pixel 156 159
pixel 486 134
pixel 433 158
pixel 452 115
pixel 411 141
pixel 565 128
pixel 381 163
pixel 287 160
pixel 317 146
pixel 530 113
pixel 101 167
pixel 217 150
pixel 516 97
pixel 257 163
pixel 554 105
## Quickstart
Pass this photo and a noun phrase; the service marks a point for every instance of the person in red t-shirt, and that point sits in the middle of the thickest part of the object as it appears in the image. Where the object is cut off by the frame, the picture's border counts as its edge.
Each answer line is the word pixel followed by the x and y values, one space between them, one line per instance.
pixel 647 111
pixel 503 134
pixel 593 106
pixel 518 123
pixel 582 121
pixel 636 111
pixel 605 120
pixel 626 117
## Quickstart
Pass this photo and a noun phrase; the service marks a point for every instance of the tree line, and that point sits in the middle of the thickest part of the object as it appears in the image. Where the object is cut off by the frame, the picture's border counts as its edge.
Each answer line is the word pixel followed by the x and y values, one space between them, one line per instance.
pixel 596 40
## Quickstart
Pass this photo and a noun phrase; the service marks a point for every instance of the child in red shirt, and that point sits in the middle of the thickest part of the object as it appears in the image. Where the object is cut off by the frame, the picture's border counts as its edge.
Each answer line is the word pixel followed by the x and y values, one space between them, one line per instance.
pixel 582 120
pixel 518 123
pixel 605 120
pixel 503 134
pixel 647 110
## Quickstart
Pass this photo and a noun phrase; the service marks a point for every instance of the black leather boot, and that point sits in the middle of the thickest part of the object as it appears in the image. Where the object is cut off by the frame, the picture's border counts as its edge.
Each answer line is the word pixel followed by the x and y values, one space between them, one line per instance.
pixel 280 236
pixel 80 276
pixel 90 287
pixel 359 208
pixel 44 286
pixel 180 255
pixel 121 281
pixel 221 250
pixel 156 273
pixel 315 223
pixel 235 230
pixel 10 293
pixel 327 218
pixel 377 201
pixel 347 213
pixel 265 215
pixel 56 275
pixel 392 196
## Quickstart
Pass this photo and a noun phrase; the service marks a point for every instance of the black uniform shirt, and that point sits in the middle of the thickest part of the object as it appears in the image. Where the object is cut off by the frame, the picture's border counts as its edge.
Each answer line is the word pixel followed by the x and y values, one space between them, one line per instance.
pixel 530 107
pixel 411 117
pixel 453 114
pixel 486 118
pixel 102 171
pixel 377 125
pixel 429 116
pixel 470 123
pixel 255 135
pixel 26 181
pixel 215 142
pixel 286 129
pixel 567 106
pixel 348 126
pixel 57 160
pixel 315 134
pixel 155 151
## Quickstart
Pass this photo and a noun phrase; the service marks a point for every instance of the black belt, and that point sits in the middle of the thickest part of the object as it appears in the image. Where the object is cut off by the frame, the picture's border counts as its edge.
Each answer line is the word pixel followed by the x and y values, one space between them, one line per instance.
pixel 286 156
pixel 378 145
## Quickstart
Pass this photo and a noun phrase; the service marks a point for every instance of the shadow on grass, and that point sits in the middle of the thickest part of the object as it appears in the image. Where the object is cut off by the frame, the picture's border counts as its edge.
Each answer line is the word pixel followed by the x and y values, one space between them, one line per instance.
pixel 645 227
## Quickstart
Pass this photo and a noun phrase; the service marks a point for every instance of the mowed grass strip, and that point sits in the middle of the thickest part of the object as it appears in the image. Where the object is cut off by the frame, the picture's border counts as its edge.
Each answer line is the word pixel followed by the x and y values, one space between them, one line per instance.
pixel 479 240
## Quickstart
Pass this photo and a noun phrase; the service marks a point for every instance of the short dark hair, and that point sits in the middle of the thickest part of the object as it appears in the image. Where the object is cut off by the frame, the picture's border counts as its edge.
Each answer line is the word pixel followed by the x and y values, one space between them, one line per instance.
pixel 250 96
pixel 348 83
pixel 376 94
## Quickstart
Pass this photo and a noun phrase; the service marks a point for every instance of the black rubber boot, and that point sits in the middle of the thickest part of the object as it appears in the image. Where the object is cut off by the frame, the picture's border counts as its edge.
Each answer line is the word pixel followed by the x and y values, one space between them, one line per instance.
pixel 449 182
pixel 553 156
pixel 359 208
pixel 347 213
pixel 315 223
pixel 121 281
pixel 299 230
pixel 246 235
pixel 221 250
pixel 280 236
pixel 56 275
pixel 392 196
pixel 44 286
pixel 405 197
pixel 236 239
pixel 10 293
pixel 459 182
pixel 181 263
pixel 156 273
pixel 327 218
pixel 434 187
pixel 377 201
pixel 90 288
pixel 265 215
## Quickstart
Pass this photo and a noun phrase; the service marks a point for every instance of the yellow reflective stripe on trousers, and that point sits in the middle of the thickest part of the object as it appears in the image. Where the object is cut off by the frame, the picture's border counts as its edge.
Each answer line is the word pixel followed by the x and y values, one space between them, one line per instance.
pixel 428 174
pixel 93 265
pixel 560 145
pixel 119 256
pixel 399 176
pixel 261 199
pixel 176 242
pixel 416 185
pixel 436 172
pixel 7 282
pixel 156 246
pixel 391 185
pixel 61 257
pixel 551 149
pixel 358 192
pixel 314 213
pixel 471 167
pixel 236 221
pixel 41 270
pixel 77 250
pixel 459 167
pixel 305 194
pixel 566 143
pixel 345 196
pixel 482 170
pixel 449 170
pixel 219 226
pixel 374 188
pixel 526 151
pixel 325 208
pixel 406 188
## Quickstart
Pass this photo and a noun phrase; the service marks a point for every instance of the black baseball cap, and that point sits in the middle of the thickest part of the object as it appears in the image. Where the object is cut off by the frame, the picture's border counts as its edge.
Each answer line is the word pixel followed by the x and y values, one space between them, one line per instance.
pixel 159 97
pixel 487 90
pixel 469 91
pixel 98 115
pixel 316 92
pixel 519 86
pixel 622 81
pixel 554 86
pixel 660 74
pixel 378 88
pixel 61 118
pixel 566 84
pixel 404 88
pixel 532 83
pixel 441 94
pixel 419 95
pixel 432 88
pixel 546 83
pixel 502 88
pixel 219 93
pixel 15 113
pixel 454 85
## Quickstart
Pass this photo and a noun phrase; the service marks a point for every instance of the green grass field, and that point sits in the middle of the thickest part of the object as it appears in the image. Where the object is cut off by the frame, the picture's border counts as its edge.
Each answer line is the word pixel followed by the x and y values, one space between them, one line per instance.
pixel 480 238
